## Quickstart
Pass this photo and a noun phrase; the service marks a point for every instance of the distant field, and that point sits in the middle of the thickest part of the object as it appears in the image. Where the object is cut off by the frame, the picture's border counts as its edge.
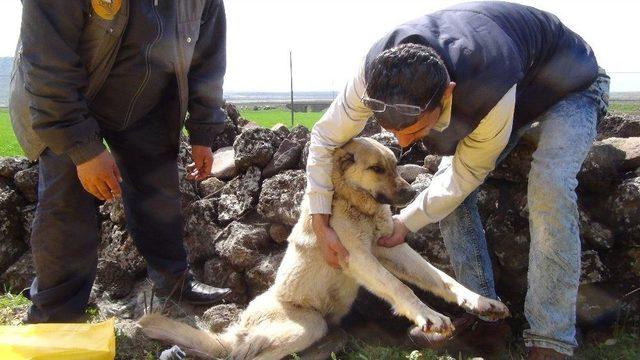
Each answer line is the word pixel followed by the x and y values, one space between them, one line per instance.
pixel 8 143
pixel 268 118
pixel 628 107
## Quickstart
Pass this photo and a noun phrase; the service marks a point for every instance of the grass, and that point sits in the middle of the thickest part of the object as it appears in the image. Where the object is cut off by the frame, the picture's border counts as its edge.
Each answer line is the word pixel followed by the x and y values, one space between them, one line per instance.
pixel 268 118
pixel 12 308
pixel 8 143
pixel 627 107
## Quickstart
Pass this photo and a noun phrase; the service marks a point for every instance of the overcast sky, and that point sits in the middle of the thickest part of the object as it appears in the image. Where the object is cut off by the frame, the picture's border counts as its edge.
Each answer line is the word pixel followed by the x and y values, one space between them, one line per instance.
pixel 330 37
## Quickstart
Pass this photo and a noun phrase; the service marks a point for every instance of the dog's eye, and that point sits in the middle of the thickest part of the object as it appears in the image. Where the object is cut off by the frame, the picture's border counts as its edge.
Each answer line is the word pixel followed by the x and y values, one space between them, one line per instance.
pixel 377 169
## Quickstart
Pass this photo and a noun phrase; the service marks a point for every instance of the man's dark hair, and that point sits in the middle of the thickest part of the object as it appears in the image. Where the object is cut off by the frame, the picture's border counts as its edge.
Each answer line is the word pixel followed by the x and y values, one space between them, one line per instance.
pixel 406 74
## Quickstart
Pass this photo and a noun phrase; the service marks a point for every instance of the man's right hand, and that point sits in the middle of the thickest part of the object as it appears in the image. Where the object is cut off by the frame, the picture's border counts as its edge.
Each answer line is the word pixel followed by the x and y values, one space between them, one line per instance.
pixel 100 176
pixel 332 250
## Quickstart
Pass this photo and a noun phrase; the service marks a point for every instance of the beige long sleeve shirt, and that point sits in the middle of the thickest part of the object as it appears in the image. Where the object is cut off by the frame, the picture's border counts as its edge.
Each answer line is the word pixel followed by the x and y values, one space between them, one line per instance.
pixel 474 158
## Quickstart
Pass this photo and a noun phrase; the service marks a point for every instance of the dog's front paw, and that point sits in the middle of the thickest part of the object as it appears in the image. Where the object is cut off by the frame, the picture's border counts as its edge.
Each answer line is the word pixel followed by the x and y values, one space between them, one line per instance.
pixel 490 309
pixel 432 321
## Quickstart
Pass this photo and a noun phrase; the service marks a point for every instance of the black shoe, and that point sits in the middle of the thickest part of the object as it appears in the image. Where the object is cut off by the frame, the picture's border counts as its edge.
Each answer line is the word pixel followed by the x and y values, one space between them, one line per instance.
pixel 190 290
pixel 33 316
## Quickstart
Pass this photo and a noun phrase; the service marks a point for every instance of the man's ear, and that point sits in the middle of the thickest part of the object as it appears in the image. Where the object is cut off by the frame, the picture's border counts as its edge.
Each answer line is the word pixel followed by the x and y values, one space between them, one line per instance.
pixel 344 159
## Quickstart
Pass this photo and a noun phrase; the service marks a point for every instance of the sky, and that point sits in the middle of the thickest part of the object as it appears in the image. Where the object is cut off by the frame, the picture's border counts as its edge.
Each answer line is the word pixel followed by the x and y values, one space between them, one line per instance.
pixel 329 38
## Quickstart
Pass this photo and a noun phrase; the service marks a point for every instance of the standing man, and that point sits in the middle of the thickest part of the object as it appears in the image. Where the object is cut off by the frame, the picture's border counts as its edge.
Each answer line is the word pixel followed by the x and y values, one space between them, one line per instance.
pixel 469 80
pixel 125 72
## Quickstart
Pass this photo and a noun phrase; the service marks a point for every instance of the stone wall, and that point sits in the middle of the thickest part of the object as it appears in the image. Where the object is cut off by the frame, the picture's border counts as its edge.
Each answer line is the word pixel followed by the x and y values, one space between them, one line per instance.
pixel 237 222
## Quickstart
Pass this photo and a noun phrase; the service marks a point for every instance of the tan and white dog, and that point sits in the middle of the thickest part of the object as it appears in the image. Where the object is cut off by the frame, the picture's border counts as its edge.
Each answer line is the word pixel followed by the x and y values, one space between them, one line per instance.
pixel 308 294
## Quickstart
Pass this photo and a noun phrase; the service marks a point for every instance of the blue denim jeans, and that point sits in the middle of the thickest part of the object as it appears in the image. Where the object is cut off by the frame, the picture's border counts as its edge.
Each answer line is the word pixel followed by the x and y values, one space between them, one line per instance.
pixel 567 131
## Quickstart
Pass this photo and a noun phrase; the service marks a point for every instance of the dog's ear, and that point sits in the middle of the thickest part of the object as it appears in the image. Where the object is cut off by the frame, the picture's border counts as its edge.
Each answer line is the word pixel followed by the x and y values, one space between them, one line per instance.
pixel 344 159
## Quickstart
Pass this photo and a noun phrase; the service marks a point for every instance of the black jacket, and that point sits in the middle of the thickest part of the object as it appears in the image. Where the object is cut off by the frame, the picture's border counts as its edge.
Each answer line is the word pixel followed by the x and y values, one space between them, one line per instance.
pixel 67 51
pixel 487 48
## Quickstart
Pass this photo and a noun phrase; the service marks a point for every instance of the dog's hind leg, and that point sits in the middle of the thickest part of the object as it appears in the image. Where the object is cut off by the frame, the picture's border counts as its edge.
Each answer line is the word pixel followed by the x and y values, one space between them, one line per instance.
pixel 408 265
pixel 294 331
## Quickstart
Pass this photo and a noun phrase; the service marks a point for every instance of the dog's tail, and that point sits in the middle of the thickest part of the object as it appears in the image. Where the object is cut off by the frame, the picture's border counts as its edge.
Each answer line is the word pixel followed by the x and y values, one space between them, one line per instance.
pixel 193 341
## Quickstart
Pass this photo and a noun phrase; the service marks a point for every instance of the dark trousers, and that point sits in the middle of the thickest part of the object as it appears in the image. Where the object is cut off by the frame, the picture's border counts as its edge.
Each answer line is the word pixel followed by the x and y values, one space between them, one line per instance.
pixel 65 230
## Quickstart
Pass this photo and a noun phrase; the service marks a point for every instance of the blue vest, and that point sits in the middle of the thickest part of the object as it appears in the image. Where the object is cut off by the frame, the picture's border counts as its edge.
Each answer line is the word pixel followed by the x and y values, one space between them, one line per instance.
pixel 488 47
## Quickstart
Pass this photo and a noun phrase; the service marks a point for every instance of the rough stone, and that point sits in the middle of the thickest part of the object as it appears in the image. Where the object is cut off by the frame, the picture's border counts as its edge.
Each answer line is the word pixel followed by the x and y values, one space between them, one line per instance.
pixel 594 233
pixel 279 233
pixel 421 182
pixel 27 182
pixel 113 279
pixel 630 147
pixel 114 211
pixel 9 166
pixel 623 207
pixel 593 270
pixel 508 236
pixel 281 196
pixel 515 167
pixel 232 112
pixel 619 125
pixel 12 244
pixel 286 157
pixel 600 168
pixel 254 147
pixel 209 186
pixel 219 273
pixel 201 230
pixel 27 214
pixel 415 154
pixel 120 249
pixel 18 276
pixel 304 156
pixel 224 164
pixel 389 140
pixel 226 137
pixel 371 128
pixel 280 130
pixel 262 276
pixel 410 172
pixel 241 244
pixel 239 195
pixel 219 317
pixel 431 163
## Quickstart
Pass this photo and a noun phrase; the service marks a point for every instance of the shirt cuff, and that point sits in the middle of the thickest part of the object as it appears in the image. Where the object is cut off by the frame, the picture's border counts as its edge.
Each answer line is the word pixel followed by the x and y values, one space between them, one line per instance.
pixel 320 203
pixel 413 217
pixel 84 152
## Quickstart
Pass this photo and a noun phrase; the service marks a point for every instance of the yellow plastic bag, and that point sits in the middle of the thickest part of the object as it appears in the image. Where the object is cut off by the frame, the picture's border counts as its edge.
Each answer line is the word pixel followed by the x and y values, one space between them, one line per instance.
pixel 58 342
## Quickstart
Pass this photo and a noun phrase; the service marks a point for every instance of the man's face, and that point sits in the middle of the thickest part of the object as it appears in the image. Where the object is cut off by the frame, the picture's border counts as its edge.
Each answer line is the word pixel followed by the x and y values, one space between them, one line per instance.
pixel 419 130
pixel 426 121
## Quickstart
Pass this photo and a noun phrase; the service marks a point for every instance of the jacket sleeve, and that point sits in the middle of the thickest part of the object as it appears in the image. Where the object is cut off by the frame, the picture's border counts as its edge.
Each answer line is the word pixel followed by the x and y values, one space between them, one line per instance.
pixel 55 78
pixel 458 176
pixel 345 119
pixel 206 76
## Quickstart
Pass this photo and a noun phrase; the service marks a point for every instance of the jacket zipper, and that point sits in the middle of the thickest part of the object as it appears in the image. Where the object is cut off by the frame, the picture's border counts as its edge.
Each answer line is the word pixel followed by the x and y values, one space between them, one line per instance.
pixel 147 65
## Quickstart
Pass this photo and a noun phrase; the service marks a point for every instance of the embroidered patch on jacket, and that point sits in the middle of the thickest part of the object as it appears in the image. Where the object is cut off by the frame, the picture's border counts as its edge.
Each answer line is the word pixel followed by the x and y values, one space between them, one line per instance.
pixel 106 9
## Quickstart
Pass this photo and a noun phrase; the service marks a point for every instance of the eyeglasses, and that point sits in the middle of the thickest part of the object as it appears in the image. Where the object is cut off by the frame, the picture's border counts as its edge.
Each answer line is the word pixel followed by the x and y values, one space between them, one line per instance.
pixel 378 106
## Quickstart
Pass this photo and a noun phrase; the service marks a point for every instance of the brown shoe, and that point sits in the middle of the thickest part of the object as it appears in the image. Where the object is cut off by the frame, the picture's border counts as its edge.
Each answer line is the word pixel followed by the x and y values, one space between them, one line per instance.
pixel 539 353
pixel 470 333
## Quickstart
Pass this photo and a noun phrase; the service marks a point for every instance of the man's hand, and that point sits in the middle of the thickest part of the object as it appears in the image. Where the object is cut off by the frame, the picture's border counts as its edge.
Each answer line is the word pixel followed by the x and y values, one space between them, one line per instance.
pixel 332 250
pixel 100 176
pixel 202 157
pixel 400 231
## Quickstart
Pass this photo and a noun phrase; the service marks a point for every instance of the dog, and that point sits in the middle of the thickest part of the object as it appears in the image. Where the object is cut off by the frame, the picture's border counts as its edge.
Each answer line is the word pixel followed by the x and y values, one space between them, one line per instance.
pixel 308 295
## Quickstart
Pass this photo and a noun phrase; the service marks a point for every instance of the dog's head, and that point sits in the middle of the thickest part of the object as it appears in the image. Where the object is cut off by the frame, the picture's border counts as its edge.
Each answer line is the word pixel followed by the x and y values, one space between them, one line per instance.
pixel 367 166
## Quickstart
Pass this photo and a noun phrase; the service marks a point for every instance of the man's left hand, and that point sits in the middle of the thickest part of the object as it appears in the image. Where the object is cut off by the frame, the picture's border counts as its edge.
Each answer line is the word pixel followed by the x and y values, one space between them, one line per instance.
pixel 400 231
pixel 202 157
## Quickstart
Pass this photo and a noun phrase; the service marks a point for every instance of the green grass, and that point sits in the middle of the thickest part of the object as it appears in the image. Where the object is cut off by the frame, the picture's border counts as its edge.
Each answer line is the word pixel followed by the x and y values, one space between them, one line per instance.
pixel 12 308
pixel 8 143
pixel 268 118
pixel 627 107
